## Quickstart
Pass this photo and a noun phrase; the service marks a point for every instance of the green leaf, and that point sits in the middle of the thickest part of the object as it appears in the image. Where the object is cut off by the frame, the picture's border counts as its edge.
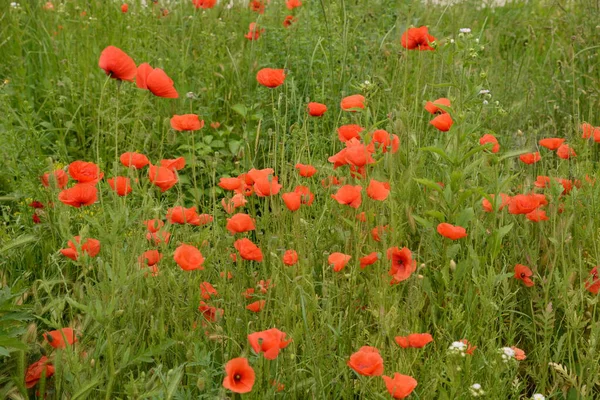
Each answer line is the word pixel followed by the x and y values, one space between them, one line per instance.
pixel 20 241
pixel 513 153
pixel 240 109
pixel 438 151
pixel 465 217
pixel 12 343
pixel 82 393
pixel 234 147
pixel 428 183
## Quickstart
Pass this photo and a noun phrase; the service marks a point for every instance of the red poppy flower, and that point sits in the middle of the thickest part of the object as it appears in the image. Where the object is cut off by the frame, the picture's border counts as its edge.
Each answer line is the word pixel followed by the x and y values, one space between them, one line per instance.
pixel 159 237
pixel 182 215
pixel 257 6
pixel 442 122
pixel 121 185
pixel 306 196
pixel 403 264
pixel 253 32
pixel 188 257
pixel 432 106
pixel 36 370
pixel 349 195
pixel 117 64
pixel 347 132
pixel 204 3
pixel 36 204
pixel 357 154
pixel 551 143
pixel 369 259
pixel 488 207
pixel 489 138
pixel 537 215
pixel 153 225
pixel 238 200
pixel 85 172
pixel 417 38
pixel 414 340
pixel 141 77
pixel 292 200
pixel 331 181
pixel 306 170
pixel 588 131
pixel 400 386
pixel 525 203
pixel 470 348
pixel 288 21
pixel 248 250
pixel 255 174
pixel 519 354
pixel 149 258
pixel 530 158
pixel 207 291
pixel 230 183
pixel 314 109
pixel 240 223
pixel 378 190
pixel 378 231
pixel 174 164
pixel 159 83
pixel 267 186
pixel 352 103
pixel 386 142
pixel 291 4
pixel 338 260
pixel 124 7
pixel 60 338
pixel 210 313
pixel 135 160
pixel 593 282
pixel 565 152
pixel 240 376
pixel 91 247
pixel 187 122
pixel 451 231
pixel 257 306
pixel 270 77
pixel 523 273
pixel 268 342
pixel 367 361
pixel 162 177
pixel 82 194
pixel 58 178
pixel 290 257
pixel 215 125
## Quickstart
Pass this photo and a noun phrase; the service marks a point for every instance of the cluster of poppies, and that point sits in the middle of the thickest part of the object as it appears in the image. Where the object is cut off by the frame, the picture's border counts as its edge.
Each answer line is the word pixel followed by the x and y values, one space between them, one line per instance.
pixel 360 153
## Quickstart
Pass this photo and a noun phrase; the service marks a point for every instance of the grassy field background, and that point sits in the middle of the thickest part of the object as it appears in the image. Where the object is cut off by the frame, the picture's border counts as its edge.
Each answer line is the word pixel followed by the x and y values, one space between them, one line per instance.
pixel 143 337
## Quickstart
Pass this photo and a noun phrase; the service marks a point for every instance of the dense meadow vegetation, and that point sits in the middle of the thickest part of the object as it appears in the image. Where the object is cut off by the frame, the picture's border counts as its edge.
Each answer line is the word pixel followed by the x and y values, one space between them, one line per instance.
pixel 190 228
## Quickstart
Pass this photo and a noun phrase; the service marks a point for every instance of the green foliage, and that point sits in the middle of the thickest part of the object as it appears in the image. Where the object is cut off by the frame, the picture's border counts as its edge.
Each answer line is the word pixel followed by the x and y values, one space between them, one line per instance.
pixel 142 336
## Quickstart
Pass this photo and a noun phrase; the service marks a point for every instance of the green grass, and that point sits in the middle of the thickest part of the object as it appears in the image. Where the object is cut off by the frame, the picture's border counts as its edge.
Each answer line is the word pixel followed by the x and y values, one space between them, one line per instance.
pixel 143 336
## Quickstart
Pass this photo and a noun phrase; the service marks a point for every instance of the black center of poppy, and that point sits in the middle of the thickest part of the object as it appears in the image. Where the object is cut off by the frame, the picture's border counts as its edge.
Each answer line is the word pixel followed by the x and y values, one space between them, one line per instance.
pixel 523 275
pixel 237 377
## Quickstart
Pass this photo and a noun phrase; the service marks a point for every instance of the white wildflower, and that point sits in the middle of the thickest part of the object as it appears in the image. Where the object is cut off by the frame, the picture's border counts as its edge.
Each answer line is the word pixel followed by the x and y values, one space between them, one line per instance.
pixel 476 390
pixel 538 396
pixel 465 30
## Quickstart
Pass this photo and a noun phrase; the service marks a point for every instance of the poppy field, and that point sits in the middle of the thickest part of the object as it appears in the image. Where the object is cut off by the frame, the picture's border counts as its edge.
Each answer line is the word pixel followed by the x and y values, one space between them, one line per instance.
pixel 299 199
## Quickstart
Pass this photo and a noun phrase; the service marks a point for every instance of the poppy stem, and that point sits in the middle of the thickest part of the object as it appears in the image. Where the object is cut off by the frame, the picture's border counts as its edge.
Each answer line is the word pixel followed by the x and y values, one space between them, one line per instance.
pixel 117 126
